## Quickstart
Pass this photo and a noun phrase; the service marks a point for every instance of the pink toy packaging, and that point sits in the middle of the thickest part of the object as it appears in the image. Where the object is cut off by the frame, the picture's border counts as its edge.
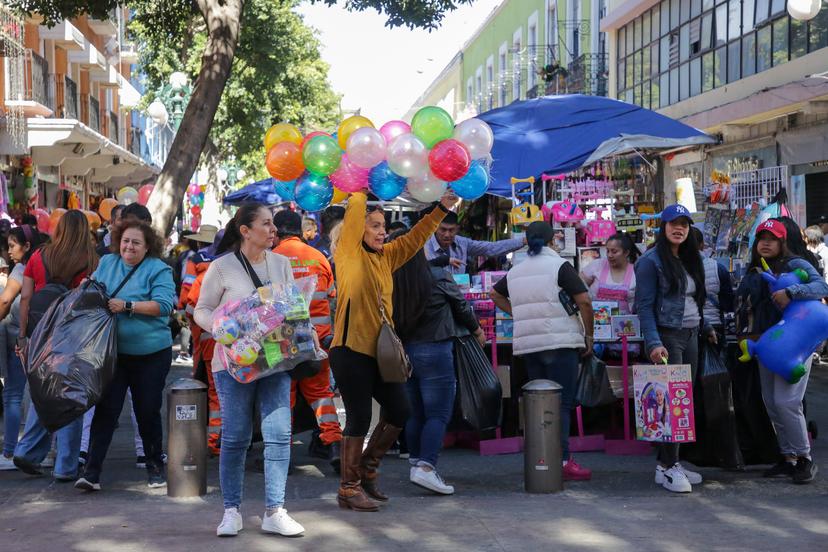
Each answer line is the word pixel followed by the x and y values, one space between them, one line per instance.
pixel 268 332
pixel 664 403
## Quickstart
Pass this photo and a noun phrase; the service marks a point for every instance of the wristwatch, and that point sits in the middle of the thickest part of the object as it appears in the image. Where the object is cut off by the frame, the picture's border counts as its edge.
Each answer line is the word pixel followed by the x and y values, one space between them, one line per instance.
pixel 129 307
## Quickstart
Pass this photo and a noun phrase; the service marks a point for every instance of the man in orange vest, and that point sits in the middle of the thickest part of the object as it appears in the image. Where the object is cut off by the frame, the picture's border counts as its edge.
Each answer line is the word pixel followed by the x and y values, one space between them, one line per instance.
pixel 308 261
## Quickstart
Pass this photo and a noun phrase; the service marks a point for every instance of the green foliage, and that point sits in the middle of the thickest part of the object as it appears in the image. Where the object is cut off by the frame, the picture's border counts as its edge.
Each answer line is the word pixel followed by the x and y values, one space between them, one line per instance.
pixel 426 14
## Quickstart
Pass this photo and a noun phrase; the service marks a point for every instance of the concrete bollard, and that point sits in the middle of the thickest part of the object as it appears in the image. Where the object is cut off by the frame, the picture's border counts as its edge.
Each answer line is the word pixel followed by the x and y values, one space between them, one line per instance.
pixel 187 438
pixel 542 437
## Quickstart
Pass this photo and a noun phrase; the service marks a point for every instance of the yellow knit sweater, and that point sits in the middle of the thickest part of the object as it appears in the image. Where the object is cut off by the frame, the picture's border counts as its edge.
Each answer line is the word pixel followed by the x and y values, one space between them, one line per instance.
pixel 363 275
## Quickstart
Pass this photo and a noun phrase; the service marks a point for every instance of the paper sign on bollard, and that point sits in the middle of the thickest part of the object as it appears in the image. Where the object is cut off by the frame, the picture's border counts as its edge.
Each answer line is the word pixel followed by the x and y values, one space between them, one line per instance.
pixel 664 403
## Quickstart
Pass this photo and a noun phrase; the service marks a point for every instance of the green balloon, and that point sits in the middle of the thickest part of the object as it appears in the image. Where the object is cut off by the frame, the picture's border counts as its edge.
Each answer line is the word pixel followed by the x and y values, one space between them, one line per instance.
pixel 431 125
pixel 322 155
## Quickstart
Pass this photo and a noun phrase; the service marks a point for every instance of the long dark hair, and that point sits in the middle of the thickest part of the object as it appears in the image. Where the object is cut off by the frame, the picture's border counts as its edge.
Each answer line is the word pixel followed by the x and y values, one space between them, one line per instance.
pixel 71 250
pixel 689 260
pixel 28 234
pixel 794 242
pixel 627 245
pixel 412 288
pixel 232 232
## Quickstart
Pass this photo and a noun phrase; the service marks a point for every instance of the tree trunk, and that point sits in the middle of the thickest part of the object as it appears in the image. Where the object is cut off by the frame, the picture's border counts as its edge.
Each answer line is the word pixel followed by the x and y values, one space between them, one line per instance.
pixel 223 19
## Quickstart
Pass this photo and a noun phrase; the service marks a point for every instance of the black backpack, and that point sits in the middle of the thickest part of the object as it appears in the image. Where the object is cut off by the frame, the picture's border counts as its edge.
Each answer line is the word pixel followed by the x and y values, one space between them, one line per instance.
pixel 43 298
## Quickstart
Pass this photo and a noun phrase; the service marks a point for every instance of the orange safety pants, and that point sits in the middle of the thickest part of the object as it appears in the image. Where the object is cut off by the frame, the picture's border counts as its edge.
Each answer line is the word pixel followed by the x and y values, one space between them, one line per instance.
pixel 318 394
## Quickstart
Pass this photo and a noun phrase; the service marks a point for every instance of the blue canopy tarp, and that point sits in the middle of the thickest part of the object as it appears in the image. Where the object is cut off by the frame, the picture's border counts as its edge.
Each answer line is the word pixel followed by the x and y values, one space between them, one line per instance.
pixel 558 134
pixel 262 191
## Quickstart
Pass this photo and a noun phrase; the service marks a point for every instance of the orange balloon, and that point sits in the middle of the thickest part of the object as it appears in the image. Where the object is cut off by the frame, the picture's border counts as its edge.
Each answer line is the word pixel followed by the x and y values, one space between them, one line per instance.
pixel 284 161
pixel 55 217
pixel 282 132
pixel 93 218
pixel 348 126
pixel 105 208
pixel 339 196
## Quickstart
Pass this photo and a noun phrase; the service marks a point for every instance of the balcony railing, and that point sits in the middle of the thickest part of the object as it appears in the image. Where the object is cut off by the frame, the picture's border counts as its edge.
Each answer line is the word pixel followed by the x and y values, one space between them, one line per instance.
pixel 113 127
pixel 66 96
pixel 91 112
pixel 588 74
pixel 135 141
pixel 36 88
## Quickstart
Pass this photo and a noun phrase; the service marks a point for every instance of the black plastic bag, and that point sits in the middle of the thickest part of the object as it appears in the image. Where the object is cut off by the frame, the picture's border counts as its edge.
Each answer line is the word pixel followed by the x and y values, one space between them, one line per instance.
pixel 717 439
pixel 72 355
pixel 593 387
pixel 478 388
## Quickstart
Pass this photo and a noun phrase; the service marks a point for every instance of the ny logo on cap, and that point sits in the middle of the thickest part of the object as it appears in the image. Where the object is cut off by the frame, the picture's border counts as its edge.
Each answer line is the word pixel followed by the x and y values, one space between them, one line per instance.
pixel 680 209
pixel 768 224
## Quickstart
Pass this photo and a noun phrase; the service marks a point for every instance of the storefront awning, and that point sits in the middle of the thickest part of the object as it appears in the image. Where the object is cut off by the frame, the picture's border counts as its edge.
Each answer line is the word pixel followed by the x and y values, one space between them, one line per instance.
pixel 80 151
pixel 559 134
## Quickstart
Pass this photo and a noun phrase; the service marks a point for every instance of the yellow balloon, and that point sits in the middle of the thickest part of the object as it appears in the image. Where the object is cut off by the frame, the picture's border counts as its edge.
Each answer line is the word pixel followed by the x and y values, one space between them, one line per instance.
pixel 282 132
pixel 348 126
pixel 339 196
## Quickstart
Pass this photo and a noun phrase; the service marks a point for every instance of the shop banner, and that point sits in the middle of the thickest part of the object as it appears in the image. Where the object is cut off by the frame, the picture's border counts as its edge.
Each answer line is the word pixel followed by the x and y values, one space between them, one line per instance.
pixel 664 403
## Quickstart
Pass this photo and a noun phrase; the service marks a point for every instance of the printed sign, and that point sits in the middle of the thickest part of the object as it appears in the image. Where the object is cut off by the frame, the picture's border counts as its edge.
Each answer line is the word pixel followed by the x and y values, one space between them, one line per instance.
pixel 186 413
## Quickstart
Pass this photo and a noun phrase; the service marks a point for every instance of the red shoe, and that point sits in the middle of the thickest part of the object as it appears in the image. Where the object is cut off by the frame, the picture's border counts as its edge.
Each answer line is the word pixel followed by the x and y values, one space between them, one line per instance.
pixel 573 472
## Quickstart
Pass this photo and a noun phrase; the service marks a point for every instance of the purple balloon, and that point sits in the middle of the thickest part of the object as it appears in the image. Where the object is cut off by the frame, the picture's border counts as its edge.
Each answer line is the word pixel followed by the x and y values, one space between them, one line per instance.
pixel 392 129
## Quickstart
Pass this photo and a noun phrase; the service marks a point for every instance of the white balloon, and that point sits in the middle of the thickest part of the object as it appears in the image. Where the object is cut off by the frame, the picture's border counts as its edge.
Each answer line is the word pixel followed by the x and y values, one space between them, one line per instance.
pixel 804 10
pixel 426 188
pixel 407 156
pixel 366 147
pixel 476 135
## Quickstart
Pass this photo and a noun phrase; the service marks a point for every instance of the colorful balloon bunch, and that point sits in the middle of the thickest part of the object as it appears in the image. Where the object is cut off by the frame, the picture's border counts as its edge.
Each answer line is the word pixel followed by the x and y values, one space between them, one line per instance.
pixel 425 158
pixel 195 197
pixel 29 185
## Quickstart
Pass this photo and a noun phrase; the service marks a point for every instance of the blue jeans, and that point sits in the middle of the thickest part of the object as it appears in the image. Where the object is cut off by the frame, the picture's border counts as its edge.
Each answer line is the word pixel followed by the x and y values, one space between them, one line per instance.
pixel 13 388
pixel 36 442
pixel 560 366
pixel 272 397
pixel 431 390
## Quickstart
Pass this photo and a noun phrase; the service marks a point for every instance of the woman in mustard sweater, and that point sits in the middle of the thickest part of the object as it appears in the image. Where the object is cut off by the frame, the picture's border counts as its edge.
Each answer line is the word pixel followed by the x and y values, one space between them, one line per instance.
pixel 364 268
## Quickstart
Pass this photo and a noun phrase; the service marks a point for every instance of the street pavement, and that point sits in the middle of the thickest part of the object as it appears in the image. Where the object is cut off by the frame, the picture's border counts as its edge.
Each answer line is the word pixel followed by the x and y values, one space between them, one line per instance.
pixel 621 509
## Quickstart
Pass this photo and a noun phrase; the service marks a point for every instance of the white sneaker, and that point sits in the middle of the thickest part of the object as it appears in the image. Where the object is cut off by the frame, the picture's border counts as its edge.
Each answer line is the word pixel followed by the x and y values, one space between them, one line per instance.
pixel 6 464
pixel 230 524
pixel 693 477
pixel 676 481
pixel 282 524
pixel 430 480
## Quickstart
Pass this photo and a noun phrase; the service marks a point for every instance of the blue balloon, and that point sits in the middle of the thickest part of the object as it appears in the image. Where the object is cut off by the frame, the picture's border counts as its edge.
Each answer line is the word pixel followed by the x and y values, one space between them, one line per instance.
pixel 313 192
pixel 284 189
pixel 474 184
pixel 384 183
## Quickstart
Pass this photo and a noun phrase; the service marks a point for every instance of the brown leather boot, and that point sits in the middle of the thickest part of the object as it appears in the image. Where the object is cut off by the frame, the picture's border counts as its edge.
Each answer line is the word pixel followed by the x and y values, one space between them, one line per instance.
pixel 351 495
pixel 381 440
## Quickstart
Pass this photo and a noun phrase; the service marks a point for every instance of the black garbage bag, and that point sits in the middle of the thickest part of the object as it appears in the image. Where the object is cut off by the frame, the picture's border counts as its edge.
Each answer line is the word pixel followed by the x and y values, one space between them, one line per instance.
pixel 478 388
pixel 717 440
pixel 593 387
pixel 72 355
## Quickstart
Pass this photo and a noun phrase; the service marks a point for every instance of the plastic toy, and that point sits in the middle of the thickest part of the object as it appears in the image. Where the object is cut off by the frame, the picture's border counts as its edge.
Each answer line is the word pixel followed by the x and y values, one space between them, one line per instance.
pixel 562 211
pixel 245 351
pixel 525 213
pixel 785 347
pixel 226 330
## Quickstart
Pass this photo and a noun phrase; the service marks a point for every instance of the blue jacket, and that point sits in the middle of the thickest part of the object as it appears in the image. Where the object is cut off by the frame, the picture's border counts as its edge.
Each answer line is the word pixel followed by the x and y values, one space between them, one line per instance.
pixel 656 304
pixel 153 281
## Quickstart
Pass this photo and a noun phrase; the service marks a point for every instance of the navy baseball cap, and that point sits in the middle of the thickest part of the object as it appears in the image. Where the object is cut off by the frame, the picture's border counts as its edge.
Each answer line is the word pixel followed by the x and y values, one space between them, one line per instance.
pixel 672 212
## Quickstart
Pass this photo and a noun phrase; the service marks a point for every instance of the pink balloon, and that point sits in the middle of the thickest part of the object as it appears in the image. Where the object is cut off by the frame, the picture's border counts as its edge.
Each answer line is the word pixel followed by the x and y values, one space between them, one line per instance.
pixel 193 189
pixel 349 177
pixel 392 129
pixel 144 193
pixel 43 221
pixel 449 160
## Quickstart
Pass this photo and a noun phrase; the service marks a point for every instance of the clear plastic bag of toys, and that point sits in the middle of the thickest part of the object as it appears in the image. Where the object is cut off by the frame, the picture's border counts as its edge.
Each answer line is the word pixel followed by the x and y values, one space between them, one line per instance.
pixel 267 332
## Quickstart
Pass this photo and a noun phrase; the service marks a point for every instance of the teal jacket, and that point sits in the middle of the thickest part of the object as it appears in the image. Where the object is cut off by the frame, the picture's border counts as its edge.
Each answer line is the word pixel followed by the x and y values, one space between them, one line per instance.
pixel 153 281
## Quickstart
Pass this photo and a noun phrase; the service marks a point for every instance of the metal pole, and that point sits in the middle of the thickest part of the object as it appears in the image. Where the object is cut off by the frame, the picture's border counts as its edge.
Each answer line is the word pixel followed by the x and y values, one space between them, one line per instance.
pixel 187 438
pixel 542 462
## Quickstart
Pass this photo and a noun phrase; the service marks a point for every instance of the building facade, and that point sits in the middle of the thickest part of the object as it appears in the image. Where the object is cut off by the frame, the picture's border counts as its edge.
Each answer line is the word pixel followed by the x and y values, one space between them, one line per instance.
pixel 741 69
pixel 525 49
pixel 68 107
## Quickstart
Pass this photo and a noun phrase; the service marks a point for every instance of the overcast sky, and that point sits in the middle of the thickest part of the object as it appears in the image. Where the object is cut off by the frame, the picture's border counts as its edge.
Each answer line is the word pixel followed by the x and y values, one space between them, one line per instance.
pixel 383 71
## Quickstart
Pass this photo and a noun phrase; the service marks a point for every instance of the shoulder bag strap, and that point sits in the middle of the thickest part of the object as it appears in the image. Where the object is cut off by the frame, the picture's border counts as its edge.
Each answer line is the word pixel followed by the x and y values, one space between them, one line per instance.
pixel 257 282
pixel 126 279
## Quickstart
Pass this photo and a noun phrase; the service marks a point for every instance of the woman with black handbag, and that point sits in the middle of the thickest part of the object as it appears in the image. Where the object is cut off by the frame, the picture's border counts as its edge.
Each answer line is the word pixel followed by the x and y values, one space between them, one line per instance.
pixel 248 265
pixel 429 312
pixel 364 268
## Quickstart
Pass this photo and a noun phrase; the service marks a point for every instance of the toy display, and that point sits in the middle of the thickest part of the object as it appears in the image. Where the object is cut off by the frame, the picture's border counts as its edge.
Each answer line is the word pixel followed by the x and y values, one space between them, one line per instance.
pixel 664 403
pixel 785 347
pixel 268 332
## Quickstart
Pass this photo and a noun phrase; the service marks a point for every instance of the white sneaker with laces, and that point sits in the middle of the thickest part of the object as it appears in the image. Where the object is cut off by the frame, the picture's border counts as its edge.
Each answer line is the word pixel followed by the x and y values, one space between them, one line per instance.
pixel 6 464
pixel 431 480
pixel 230 524
pixel 693 477
pixel 676 481
pixel 281 523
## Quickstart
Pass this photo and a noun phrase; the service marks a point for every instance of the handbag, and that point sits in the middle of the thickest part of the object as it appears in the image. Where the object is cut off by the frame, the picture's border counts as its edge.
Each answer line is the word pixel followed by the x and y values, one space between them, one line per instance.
pixel 593 387
pixel 394 365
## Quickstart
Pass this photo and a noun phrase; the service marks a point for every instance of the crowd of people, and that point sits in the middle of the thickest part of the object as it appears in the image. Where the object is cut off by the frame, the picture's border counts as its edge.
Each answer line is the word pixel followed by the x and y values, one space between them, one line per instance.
pixel 366 279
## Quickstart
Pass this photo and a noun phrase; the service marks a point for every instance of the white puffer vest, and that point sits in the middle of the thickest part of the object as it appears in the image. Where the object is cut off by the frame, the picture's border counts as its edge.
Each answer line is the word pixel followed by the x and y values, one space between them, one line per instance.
pixel 541 323
pixel 711 287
